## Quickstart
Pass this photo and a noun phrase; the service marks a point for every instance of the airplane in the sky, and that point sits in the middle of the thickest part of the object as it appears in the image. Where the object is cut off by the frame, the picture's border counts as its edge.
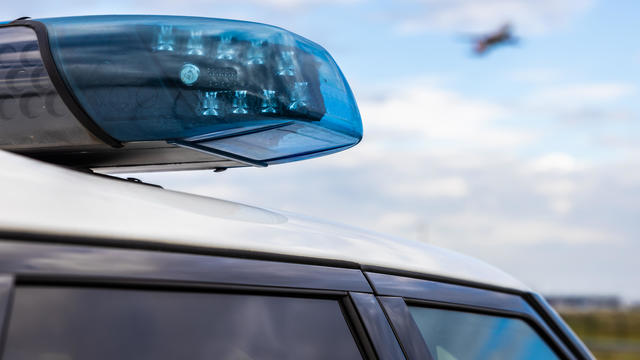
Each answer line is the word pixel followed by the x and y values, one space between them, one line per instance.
pixel 503 36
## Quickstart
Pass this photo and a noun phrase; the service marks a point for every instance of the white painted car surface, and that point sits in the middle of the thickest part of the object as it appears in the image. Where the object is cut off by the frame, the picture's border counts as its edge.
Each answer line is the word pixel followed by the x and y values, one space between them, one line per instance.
pixel 39 198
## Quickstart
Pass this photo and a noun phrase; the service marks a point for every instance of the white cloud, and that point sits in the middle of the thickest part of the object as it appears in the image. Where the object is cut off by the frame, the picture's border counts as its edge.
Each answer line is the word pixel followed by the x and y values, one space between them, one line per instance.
pixel 578 94
pixel 445 187
pixel 535 76
pixel 561 206
pixel 399 220
pixel 500 230
pixel 556 187
pixel 554 163
pixel 552 177
pixel 530 17
pixel 580 103
pixel 559 192
pixel 425 115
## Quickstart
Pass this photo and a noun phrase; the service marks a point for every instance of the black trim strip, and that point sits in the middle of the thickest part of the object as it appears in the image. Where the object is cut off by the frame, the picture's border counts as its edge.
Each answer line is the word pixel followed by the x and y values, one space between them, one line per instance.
pixel 60 85
pixel 393 285
pixel 438 304
pixel 56 280
pixel 42 261
pixel 122 243
pixel 21 18
pixel 439 278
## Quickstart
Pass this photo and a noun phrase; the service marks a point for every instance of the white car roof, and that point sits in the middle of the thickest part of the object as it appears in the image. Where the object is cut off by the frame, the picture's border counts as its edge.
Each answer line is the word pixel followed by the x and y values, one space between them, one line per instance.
pixel 40 198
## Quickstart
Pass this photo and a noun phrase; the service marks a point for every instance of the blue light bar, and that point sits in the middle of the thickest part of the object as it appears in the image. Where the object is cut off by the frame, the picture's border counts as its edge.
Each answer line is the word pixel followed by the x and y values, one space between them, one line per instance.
pixel 236 89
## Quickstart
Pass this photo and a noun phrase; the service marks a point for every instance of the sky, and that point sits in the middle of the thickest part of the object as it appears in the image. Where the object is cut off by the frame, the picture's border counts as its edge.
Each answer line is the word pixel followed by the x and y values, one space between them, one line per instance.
pixel 527 158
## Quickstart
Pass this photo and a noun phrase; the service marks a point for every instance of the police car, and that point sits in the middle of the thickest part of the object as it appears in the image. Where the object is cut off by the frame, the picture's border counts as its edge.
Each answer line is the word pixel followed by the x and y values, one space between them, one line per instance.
pixel 97 267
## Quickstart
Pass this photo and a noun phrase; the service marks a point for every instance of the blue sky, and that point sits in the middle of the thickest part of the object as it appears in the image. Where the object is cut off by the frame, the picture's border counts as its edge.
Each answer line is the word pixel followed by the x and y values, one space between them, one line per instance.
pixel 527 158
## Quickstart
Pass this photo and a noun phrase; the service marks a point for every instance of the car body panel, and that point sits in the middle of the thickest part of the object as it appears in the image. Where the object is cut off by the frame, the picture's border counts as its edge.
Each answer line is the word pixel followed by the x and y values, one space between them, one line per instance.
pixel 44 199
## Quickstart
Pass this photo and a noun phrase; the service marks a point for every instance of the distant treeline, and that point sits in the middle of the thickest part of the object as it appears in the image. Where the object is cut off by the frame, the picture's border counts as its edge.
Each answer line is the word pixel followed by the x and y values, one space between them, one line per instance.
pixel 610 335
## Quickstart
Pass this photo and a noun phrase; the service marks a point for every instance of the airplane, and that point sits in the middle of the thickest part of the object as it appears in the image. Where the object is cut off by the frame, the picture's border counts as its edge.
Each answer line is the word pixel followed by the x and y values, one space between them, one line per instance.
pixel 503 36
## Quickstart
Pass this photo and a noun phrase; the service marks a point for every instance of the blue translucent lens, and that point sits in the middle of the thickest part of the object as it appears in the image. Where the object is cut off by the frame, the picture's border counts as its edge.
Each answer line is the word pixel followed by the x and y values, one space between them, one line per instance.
pixel 195 44
pixel 144 78
pixel 165 38
pixel 226 50
pixel 240 102
pixel 299 96
pixel 256 53
pixel 286 67
pixel 210 104
pixel 269 102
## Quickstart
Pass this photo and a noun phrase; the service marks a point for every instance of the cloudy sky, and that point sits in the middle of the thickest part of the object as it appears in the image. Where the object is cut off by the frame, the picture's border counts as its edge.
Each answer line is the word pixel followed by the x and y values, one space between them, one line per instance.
pixel 527 158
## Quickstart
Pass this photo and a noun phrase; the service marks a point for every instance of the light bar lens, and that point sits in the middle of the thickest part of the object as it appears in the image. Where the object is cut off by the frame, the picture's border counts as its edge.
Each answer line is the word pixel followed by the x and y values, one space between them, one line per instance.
pixel 147 78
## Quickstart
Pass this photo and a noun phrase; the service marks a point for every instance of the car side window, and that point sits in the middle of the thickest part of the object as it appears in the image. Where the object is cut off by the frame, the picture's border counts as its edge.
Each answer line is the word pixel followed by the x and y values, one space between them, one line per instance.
pixel 458 335
pixel 76 323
